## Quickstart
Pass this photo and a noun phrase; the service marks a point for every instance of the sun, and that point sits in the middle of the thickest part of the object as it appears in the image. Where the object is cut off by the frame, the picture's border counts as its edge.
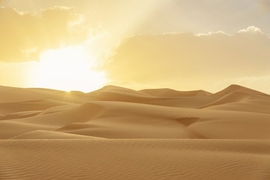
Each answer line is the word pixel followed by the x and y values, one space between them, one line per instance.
pixel 69 68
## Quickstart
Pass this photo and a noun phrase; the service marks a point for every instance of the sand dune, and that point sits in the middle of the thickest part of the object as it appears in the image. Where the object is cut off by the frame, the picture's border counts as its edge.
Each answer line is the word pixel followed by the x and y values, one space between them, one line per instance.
pixel 42 134
pixel 166 92
pixel 119 133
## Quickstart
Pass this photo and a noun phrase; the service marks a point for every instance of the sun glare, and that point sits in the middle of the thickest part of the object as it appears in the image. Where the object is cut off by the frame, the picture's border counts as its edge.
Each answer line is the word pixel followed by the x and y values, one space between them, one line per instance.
pixel 69 69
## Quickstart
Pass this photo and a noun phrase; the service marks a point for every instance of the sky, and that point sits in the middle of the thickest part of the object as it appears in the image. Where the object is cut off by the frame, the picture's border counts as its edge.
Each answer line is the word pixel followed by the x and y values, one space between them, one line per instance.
pixel 179 44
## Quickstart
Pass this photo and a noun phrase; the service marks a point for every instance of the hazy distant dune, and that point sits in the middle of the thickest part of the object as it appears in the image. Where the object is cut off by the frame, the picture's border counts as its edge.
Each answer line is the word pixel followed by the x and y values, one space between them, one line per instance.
pixel 165 92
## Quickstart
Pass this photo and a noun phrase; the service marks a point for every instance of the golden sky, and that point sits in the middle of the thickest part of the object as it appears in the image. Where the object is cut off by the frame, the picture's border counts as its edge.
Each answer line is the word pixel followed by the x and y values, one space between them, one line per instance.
pixel 86 44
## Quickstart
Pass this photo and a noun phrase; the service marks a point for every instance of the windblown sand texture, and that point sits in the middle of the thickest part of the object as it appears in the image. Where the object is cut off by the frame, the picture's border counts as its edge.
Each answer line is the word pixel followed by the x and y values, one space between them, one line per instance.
pixel 119 133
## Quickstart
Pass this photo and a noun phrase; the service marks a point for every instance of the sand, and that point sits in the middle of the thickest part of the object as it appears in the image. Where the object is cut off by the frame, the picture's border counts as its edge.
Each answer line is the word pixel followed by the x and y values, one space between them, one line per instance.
pixel 119 133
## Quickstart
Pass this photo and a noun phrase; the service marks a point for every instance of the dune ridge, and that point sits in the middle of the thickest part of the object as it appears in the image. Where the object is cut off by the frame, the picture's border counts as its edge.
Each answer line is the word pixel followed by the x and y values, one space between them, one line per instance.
pixel 120 133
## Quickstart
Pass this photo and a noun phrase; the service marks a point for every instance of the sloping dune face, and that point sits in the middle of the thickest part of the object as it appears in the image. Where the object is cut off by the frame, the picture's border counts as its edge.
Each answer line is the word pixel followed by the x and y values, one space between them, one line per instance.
pixel 119 133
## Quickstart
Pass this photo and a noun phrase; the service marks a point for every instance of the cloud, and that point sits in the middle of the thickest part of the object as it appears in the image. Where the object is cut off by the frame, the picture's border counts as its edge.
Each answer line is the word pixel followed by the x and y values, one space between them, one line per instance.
pixel 191 61
pixel 251 30
pixel 24 35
